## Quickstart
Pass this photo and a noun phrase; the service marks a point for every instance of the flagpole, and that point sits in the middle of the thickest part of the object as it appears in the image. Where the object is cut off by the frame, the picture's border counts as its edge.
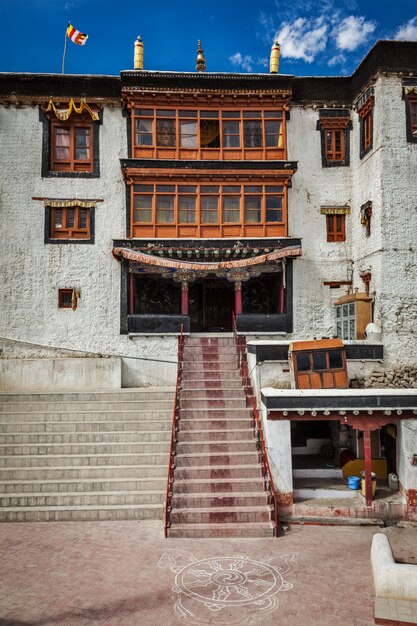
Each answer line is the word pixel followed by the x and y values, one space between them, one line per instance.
pixel 65 50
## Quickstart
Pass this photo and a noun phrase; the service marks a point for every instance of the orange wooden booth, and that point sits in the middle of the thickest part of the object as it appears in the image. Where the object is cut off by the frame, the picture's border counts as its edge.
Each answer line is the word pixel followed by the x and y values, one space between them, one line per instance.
pixel 318 364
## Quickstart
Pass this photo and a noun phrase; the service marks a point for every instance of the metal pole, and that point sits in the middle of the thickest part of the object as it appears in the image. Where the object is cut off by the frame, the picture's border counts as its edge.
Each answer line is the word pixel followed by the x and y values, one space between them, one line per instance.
pixel 65 51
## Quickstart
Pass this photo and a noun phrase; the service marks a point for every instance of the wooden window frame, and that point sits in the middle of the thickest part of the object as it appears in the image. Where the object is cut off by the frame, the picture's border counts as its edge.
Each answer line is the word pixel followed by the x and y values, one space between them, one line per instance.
pixel 411 118
pixel 72 164
pixel 263 152
pixel 63 295
pixel 335 234
pixel 73 234
pixel 242 190
pixel 366 124
pixel 334 124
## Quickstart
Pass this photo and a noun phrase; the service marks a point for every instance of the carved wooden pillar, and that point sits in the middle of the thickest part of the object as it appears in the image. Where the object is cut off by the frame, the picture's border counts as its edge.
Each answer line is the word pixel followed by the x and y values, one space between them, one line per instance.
pixel 131 293
pixel 238 297
pixel 184 297
pixel 368 465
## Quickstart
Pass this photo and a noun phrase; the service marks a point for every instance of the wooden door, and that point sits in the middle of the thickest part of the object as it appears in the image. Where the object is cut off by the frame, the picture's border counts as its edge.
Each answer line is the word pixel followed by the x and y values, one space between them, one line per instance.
pixel 218 306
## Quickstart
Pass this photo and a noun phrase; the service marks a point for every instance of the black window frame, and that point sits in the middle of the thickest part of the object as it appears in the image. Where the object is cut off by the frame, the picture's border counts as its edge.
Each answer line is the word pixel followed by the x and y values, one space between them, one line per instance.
pixel 47 234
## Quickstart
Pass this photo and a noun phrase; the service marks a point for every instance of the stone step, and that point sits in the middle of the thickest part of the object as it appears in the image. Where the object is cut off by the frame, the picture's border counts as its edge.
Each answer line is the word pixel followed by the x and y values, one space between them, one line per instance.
pixel 82 407
pixel 219 485
pixel 208 352
pixel 216 447
pixel 71 460
pixel 216 435
pixel 210 384
pixel 213 403
pixel 332 521
pixel 209 341
pixel 85 437
pixel 215 375
pixel 204 459
pixel 219 500
pixel 320 472
pixel 83 485
pixel 195 531
pixel 82 499
pixel 197 423
pixel 213 394
pixel 84 472
pixel 144 425
pixel 246 514
pixel 228 365
pixel 145 393
pixel 95 448
pixel 217 472
pixel 324 488
pixel 215 413
pixel 82 513
pixel 67 416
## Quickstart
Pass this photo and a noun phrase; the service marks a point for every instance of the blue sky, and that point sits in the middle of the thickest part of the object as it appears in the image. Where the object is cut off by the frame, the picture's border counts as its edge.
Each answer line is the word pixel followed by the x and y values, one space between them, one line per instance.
pixel 325 37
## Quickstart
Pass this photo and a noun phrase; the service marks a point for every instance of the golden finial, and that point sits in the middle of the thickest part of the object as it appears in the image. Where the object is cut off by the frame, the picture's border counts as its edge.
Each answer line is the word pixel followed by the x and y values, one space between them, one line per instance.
pixel 201 62
pixel 274 58
pixel 138 55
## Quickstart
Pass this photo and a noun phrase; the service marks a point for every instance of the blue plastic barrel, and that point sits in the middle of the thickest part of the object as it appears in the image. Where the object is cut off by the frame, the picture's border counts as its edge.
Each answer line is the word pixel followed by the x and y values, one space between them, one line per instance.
pixel 354 482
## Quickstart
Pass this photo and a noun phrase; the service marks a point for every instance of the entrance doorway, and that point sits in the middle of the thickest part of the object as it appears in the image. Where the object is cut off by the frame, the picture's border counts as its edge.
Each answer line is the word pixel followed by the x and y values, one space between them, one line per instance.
pixel 211 302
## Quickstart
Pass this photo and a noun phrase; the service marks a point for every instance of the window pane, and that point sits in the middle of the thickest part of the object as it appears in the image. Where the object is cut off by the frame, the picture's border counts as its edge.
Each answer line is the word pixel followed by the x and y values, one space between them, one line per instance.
pixel 144 132
pixel 187 188
pixel 146 112
pixel 70 218
pixel 58 218
pixel 142 216
pixel 231 209
pixel 209 209
pixel 82 218
pixel 254 114
pixel 303 362
pixel 273 215
pixel 148 188
pixel 165 113
pixel 186 207
pixel 230 114
pixel 185 113
pixel 352 330
pixel 272 134
pixel 335 358
pixel 165 188
pixel 345 310
pixel 164 217
pixel 319 361
pixel 165 202
pixel 274 189
pixel 165 132
pixel 253 189
pixel 62 141
pixel 338 311
pixel 231 128
pixel 352 308
pixel 252 134
pixel 209 134
pixel 188 134
pixel 253 211
pixel 209 114
pixel 231 188
pixel 273 114
pixel 339 332
pixel 209 188
pixel 345 329
pixel 165 209
pixel 143 202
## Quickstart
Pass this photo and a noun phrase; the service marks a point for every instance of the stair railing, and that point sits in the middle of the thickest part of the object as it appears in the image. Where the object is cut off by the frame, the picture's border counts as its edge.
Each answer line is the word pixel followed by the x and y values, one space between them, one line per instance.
pixel 174 432
pixel 240 343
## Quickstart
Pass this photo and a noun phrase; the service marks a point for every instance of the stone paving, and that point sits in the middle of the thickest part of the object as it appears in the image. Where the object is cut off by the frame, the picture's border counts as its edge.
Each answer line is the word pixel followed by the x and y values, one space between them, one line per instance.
pixel 126 573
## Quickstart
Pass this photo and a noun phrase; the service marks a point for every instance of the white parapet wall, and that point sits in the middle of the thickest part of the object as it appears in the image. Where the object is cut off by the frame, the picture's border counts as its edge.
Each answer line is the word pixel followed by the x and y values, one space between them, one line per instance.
pixel 391 579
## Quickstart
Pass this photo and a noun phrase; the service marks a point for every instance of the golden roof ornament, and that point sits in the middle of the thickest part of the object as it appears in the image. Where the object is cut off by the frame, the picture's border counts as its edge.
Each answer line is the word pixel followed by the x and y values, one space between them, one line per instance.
pixel 138 54
pixel 274 58
pixel 201 62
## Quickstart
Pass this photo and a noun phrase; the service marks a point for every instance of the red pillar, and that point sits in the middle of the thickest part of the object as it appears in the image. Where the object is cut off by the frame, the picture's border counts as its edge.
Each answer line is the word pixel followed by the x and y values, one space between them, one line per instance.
pixel 184 298
pixel 368 466
pixel 238 297
pixel 282 293
pixel 131 293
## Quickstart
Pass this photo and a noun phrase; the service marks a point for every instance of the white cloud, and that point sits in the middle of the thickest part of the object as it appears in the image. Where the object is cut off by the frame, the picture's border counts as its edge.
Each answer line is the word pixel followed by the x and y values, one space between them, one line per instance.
pixel 243 61
pixel 338 59
pixel 352 32
pixel 302 39
pixel 408 31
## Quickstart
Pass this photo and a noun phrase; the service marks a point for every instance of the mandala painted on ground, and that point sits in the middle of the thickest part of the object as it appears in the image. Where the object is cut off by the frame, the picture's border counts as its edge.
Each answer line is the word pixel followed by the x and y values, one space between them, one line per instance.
pixel 226 590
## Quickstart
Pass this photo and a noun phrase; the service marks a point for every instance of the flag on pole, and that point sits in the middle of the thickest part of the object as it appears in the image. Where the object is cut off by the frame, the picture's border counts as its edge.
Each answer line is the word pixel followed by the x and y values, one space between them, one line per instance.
pixel 76 36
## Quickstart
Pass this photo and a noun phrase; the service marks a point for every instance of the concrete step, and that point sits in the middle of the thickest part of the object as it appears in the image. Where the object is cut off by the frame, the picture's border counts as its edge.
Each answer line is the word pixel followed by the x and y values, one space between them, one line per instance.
pixel 246 514
pixel 143 426
pixel 213 394
pixel 95 448
pixel 216 447
pixel 216 472
pixel 85 437
pixel 322 472
pixel 204 459
pixel 214 530
pixel 83 485
pixel 324 488
pixel 216 352
pixel 82 499
pixel 209 341
pixel 332 521
pixel 198 422
pixel 82 407
pixel 220 485
pixel 82 513
pixel 201 436
pixel 71 460
pixel 227 365
pixel 212 385
pixel 84 472
pixel 101 416
pixel 213 403
pixel 145 393
pixel 219 500
pixel 211 375
pixel 215 413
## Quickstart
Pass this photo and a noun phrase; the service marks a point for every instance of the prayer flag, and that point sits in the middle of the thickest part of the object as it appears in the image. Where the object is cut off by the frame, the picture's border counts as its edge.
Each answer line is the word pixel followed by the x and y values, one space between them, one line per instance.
pixel 76 36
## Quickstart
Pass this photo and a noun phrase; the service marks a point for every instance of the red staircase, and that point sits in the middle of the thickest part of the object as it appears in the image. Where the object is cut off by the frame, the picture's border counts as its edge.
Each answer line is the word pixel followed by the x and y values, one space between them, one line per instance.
pixel 218 484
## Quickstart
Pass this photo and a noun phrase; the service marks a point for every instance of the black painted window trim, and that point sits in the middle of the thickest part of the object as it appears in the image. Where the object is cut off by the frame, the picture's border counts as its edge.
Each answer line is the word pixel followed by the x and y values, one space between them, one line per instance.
pixel 334 113
pixel 49 239
pixel 46 172
pixel 410 137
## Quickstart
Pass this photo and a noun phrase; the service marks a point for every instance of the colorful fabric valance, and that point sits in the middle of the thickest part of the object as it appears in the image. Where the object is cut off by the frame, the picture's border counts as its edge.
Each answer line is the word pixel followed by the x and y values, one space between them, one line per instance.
pixel 64 204
pixel 335 210
pixel 63 114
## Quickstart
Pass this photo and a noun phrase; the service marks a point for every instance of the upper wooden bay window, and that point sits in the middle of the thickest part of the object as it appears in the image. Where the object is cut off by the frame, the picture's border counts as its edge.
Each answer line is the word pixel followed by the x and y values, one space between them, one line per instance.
pixel 202 210
pixel 208 134
pixel 334 126
pixel 71 147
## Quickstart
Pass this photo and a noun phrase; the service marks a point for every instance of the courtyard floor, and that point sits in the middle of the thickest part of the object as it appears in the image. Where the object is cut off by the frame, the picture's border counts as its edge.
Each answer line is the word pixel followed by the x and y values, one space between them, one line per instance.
pixel 126 573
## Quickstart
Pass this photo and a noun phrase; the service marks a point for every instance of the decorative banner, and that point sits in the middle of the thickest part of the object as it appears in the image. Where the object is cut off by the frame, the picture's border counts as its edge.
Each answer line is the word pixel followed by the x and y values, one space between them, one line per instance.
pixel 63 204
pixel 148 259
pixel 76 36
pixel 335 210
pixel 63 114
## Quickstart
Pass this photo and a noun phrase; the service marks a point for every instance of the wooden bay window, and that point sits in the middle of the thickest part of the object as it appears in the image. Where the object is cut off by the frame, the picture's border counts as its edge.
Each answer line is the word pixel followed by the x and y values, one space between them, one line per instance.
pixel 334 126
pixel 365 109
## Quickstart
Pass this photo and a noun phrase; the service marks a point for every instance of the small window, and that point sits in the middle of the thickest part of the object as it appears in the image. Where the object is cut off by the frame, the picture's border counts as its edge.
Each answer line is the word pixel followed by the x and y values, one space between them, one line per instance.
pixel 411 116
pixel 334 126
pixel 303 362
pixel 366 124
pixel 65 298
pixel 346 321
pixel 144 132
pixel 186 209
pixel 319 361
pixel 335 359
pixel 252 132
pixel 70 224
pixel 231 134
pixel 336 228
